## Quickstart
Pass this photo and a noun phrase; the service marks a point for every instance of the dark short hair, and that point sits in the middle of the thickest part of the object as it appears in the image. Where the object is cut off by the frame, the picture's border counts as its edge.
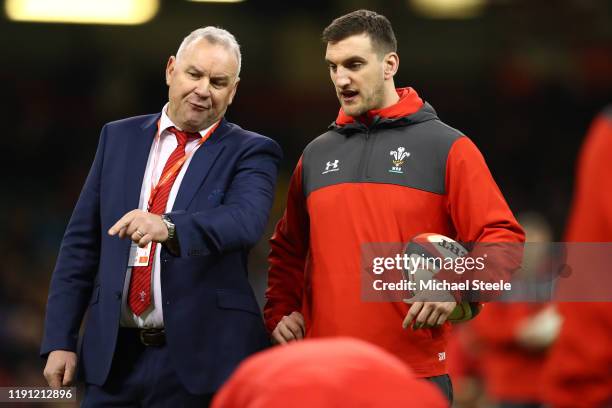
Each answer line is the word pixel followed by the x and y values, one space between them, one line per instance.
pixel 375 25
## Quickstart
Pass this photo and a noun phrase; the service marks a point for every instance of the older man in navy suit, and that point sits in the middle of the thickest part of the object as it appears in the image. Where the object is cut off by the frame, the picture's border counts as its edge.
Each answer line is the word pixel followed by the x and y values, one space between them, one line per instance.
pixel 156 249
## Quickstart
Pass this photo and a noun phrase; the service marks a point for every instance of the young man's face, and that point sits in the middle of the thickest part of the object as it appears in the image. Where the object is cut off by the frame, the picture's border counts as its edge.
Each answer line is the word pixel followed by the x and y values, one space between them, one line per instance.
pixel 357 72
pixel 202 83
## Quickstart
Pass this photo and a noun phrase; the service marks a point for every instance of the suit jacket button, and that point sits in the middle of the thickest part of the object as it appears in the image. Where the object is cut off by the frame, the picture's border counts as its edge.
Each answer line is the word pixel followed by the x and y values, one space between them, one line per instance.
pixel 118 295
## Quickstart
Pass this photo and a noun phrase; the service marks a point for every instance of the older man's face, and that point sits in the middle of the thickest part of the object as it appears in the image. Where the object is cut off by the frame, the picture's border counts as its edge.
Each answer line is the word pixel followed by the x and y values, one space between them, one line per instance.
pixel 202 82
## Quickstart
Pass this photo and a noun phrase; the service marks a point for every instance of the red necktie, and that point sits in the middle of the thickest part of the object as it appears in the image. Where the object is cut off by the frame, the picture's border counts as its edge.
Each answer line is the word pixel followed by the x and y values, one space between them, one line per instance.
pixel 139 294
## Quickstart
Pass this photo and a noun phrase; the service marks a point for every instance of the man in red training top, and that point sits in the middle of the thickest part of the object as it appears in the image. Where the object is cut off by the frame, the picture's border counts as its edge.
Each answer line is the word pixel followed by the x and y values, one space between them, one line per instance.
pixel 347 191
pixel 578 373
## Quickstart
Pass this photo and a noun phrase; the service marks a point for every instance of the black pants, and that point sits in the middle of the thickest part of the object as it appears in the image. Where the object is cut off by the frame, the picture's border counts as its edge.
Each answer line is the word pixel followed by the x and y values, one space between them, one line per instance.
pixel 141 376
pixel 444 384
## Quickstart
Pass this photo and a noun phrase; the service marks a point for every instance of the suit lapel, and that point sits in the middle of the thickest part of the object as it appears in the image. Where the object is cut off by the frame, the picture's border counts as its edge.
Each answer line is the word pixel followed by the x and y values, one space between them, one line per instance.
pixel 199 167
pixel 139 146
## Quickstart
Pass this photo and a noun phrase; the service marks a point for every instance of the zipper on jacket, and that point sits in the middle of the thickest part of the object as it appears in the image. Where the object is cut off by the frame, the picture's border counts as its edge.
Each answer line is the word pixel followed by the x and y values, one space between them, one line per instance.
pixel 365 156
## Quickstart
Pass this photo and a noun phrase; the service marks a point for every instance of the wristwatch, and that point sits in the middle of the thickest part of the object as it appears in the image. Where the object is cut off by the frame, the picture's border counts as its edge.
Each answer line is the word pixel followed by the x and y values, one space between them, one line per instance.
pixel 170 226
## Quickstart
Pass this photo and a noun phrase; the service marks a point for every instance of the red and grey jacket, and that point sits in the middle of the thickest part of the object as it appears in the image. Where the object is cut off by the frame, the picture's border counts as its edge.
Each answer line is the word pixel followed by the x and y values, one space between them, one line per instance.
pixel 402 174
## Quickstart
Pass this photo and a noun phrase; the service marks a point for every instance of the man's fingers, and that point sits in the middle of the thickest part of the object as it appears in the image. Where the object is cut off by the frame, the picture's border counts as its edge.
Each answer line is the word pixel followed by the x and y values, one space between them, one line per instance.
pixel 298 319
pixel 53 373
pixel 423 315
pixel 124 231
pixel 136 236
pixel 55 381
pixel 285 332
pixel 145 240
pixel 141 238
pixel 448 308
pixel 119 225
pixel 426 314
pixel 297 316
pixel 54 376
pixel 441 319
pixel 432 320
pixel 433 314
pixel 68 374
pixel 289 328
pixel 133 227
pixel 122 222
pixel 414 310
pixel 294 326
pixel 277 338
pixel 121 233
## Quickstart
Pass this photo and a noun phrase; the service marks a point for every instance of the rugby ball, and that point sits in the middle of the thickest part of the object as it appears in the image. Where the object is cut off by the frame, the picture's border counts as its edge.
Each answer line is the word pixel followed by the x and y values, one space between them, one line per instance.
pixel 427 253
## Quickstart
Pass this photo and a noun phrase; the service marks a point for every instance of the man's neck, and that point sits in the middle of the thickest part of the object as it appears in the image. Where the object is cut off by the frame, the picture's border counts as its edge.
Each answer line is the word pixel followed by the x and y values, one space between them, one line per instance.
pixel 391 97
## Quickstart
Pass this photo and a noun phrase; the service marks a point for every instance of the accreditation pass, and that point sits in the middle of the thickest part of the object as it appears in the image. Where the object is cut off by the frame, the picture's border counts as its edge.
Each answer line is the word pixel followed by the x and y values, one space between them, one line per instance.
pixel 139 256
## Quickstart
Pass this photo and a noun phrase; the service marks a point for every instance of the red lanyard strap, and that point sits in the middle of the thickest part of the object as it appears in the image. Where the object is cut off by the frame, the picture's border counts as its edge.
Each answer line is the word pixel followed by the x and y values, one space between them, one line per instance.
pixel 176 167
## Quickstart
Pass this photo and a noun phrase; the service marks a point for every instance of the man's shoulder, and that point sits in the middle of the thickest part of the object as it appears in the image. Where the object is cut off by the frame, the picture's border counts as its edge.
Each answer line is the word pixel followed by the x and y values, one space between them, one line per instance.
pixel 433 129
pixel 237 135
pixel 325 140
pixel 438 130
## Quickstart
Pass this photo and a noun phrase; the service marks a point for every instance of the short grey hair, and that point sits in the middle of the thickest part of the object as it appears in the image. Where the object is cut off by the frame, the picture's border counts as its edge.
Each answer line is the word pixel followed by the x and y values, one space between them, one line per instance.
pixel 214 35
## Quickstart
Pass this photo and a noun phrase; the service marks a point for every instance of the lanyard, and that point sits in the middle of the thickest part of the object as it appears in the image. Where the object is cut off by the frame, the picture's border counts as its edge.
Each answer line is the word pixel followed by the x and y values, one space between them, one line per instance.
pixel 176 167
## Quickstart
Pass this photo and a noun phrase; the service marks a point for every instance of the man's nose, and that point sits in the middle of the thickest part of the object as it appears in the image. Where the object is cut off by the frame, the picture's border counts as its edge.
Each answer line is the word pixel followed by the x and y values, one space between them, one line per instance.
pixel 202 88
pixel 342 78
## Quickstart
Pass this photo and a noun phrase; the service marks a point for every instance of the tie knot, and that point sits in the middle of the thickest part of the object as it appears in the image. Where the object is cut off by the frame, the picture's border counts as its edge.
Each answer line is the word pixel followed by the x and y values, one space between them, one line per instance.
pixel 183 137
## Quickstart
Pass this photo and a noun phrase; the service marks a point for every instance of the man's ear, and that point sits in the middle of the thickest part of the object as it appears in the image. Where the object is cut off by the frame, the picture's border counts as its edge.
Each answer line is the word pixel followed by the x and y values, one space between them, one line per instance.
pixel 170 68
pixel 390 65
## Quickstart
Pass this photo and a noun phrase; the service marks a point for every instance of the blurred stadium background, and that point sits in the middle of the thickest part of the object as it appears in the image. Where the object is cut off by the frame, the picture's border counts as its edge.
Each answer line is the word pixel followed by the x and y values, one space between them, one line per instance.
pixel 522 78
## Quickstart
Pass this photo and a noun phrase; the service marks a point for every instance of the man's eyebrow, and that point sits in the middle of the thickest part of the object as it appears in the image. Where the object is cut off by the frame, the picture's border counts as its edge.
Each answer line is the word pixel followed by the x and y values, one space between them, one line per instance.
pixel 353 58
pixel 194 68
pixel 220 76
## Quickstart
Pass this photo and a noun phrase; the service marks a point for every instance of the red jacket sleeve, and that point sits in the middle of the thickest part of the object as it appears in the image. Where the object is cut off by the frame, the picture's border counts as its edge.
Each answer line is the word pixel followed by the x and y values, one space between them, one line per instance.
pixel 591 215
pixel 477 207
pixel 289 248
pixel 480 215
pixel 577 372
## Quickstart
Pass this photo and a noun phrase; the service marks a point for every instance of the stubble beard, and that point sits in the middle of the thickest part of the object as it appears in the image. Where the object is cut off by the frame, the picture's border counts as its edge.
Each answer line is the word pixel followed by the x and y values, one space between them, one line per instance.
pixel 374 101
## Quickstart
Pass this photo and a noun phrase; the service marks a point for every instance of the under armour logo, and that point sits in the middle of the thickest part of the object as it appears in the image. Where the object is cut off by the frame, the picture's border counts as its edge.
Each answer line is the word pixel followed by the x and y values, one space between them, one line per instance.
pixel 332 166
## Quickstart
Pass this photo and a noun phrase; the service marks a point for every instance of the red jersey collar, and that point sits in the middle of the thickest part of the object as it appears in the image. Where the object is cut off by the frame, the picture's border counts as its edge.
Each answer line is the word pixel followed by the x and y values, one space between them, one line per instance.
pixel 409 103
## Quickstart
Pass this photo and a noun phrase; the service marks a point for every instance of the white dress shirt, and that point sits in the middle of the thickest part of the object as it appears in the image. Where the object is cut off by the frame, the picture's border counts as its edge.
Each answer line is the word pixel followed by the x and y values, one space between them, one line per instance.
pixel 153 316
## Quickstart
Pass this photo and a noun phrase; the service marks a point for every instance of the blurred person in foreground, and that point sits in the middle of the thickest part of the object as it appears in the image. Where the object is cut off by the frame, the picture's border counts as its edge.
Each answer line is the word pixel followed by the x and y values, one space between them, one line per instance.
pixel 578 373
pixel 347 191
pixel 340 372
pixel 156 249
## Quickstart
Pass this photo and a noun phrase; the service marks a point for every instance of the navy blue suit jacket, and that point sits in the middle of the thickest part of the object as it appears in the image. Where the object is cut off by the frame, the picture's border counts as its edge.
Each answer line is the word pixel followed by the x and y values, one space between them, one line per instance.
pixel 211 317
